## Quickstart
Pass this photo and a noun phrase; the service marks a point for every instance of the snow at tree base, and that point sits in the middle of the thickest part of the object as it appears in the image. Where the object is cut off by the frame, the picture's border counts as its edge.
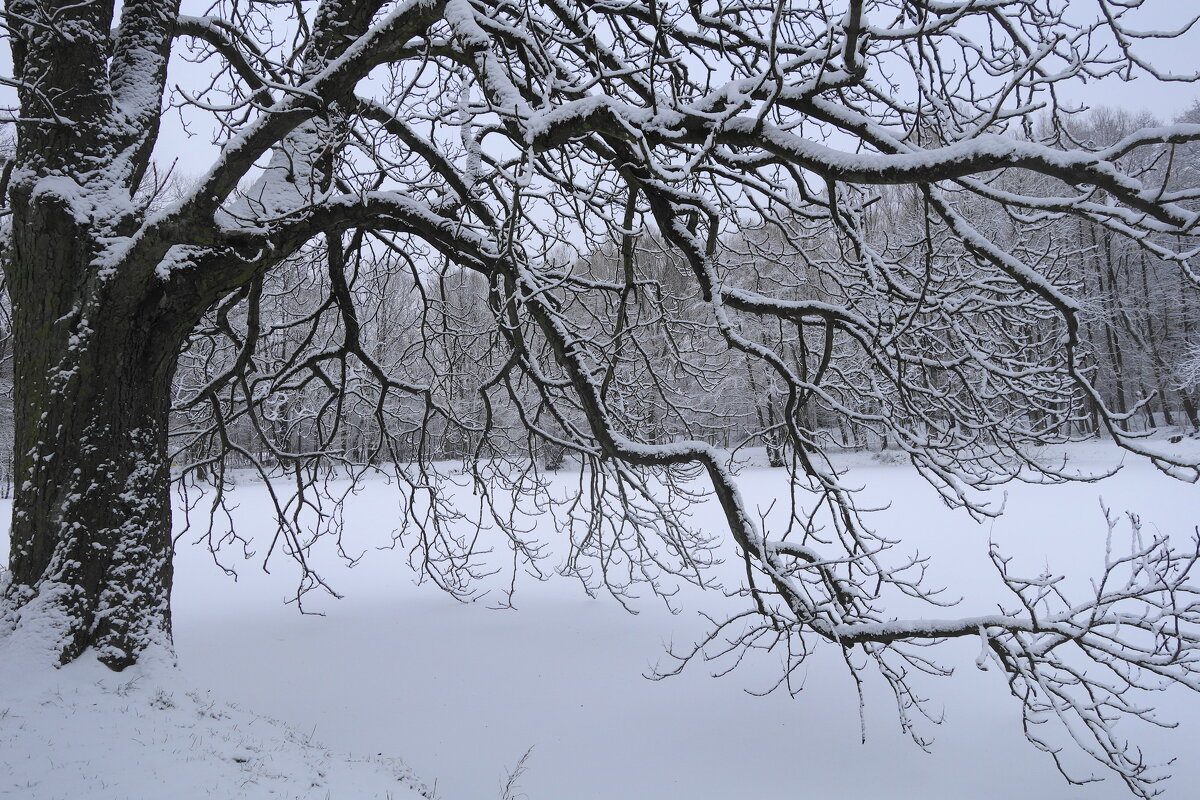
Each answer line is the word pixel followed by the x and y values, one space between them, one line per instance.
pixel 342 292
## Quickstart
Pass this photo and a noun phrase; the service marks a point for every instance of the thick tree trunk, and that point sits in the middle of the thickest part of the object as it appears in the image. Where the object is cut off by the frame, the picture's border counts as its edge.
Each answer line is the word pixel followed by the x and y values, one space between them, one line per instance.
pixel 91 533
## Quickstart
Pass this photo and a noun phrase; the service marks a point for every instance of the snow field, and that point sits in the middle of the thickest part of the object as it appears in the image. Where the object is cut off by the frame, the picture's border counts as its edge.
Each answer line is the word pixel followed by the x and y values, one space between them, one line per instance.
pixel 86 732
pixel 462 691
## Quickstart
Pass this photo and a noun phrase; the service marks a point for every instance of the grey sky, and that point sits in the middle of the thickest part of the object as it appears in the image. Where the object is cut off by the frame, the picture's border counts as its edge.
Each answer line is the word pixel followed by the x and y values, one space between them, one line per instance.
pixel 1163 99
pixel 193 153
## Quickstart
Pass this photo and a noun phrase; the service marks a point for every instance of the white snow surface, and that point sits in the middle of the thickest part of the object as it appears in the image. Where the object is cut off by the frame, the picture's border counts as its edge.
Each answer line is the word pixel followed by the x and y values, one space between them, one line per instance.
pixel 461 690
pixel 84 731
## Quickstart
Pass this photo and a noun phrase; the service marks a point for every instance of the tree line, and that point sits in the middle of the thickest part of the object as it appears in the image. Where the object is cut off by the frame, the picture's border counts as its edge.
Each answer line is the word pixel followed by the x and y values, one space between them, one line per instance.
pixel 432 325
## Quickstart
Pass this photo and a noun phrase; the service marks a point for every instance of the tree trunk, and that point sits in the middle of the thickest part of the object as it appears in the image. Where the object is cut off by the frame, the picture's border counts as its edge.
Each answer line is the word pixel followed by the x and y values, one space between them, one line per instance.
pixel 91 532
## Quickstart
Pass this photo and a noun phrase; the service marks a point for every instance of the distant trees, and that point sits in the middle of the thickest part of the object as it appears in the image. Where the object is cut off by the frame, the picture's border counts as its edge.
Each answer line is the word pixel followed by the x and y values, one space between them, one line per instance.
pixel 1139 309
pixel 1138 317
pixel 624 232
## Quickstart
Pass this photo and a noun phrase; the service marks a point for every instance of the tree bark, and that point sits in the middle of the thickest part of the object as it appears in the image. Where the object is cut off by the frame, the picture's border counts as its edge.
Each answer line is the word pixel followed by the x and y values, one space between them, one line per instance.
pixel 91 534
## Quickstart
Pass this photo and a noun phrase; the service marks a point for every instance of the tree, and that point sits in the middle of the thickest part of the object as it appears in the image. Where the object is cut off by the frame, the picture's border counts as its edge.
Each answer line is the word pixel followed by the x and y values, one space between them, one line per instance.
pixel 361 138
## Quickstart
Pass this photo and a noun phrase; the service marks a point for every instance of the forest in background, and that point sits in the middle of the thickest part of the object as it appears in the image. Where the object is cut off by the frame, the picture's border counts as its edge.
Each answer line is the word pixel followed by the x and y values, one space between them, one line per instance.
pixel 269 379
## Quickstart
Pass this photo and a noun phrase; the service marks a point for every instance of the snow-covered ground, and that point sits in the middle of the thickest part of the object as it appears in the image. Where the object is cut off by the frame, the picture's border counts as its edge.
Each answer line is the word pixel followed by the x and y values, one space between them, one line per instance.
pixel 462 691
pixel 86 732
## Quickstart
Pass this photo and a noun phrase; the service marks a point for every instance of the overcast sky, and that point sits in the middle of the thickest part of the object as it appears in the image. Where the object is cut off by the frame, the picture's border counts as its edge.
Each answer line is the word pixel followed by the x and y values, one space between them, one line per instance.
pixel 1175 55
pixel 1163 99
